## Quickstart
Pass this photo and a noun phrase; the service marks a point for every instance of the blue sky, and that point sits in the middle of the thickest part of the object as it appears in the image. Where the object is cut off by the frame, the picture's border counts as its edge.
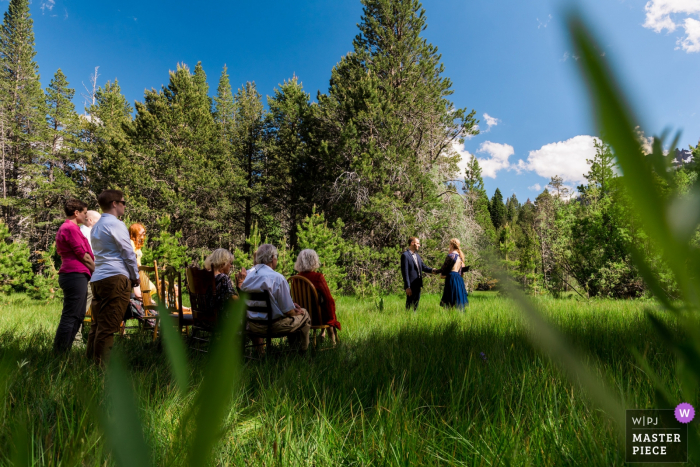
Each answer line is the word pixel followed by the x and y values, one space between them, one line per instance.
pixel 508 60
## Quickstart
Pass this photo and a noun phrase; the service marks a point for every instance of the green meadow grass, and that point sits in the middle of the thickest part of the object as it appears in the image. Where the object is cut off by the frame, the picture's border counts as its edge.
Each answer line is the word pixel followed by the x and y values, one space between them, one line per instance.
pixel 434 387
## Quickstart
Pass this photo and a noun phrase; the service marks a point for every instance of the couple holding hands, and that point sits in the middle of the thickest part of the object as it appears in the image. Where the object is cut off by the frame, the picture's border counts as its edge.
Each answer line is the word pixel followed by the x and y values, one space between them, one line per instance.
pixel 454 294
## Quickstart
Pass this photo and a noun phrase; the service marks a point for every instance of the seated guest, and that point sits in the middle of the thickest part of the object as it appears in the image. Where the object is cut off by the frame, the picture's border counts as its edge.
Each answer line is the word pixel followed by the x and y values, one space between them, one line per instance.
pixel 77 265
pixel 287 316
pixel 221 262
pixel 307 264
pixel 137 235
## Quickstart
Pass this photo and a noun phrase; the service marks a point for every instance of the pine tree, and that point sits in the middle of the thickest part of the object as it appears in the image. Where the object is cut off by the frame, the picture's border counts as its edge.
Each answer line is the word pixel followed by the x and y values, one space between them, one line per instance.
pixel 602 168
pixel 225 110
pixel 477 199
pixel 109 161
pixel 174 140
pixel 473 180
pixel 512 208
pixel 58 166
pixel 497 210
pixel 389 127
pixel 22 101
pixel 558 187
pixel 250 154
pixel 294 173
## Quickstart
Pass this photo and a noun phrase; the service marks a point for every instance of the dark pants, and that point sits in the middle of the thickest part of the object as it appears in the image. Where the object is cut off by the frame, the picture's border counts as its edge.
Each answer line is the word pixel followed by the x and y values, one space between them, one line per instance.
pixel 74 285
pixel 412 301
pixel 110 297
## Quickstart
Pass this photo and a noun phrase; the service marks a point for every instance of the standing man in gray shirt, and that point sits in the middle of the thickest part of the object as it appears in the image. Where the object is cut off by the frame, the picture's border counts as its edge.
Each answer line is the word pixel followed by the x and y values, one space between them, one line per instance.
pixel 116 274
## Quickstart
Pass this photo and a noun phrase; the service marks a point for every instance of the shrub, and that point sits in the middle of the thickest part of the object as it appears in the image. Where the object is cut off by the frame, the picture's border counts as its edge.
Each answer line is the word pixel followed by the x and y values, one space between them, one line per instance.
pixel 16 273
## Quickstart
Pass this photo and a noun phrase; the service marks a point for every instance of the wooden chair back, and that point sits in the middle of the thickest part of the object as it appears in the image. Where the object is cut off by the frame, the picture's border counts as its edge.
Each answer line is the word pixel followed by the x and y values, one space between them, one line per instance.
pixel 145 283
pixel 171 291
pixel 259 302
pixel 305 295
pixel 201 285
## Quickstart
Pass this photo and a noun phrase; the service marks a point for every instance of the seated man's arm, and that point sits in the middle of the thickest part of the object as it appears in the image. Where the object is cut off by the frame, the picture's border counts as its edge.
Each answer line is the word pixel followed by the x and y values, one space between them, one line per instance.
pixel 284 300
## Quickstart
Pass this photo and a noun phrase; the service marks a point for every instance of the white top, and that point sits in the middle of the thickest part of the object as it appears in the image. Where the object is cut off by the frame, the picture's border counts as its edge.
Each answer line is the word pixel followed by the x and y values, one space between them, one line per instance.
pixel 112 248
pixel 85 230
pixel 265 278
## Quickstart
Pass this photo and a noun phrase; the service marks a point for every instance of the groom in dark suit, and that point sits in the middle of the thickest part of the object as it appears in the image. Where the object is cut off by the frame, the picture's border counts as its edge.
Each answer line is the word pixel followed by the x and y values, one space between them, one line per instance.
pixel 412 269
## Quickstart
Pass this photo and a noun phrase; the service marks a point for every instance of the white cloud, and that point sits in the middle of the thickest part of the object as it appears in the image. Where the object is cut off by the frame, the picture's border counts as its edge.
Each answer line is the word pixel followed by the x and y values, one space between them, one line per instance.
pixel 691 41
pixel 565 57
pixel 497 160
pixel 490 121
pixel 663 15
pixel 48 5
pixel 565 158
pixel 535 187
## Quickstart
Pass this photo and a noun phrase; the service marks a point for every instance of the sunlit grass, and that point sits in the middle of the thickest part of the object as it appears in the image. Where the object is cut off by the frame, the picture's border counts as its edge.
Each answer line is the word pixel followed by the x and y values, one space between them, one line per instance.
pixel 434 387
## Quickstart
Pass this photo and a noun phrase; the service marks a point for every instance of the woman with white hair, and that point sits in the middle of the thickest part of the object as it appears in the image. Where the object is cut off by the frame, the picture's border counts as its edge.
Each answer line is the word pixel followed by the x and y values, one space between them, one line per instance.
pixel 221 262
pixel 307 263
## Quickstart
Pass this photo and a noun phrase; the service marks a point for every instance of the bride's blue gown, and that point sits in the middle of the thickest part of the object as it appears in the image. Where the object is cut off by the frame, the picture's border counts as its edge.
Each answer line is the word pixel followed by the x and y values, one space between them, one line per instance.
pixel 454 294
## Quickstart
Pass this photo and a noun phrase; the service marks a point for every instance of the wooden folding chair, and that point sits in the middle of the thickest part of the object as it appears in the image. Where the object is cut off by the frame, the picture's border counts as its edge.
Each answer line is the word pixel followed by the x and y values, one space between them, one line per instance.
pixel 171 291
pixel 305 295
pixel 201 285
pixel 155 294
pixel 262 305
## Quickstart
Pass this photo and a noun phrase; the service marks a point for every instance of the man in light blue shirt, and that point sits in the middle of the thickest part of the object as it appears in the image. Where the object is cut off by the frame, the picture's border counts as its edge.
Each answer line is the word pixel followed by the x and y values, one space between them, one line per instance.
pixel 287 316
pixel 116 274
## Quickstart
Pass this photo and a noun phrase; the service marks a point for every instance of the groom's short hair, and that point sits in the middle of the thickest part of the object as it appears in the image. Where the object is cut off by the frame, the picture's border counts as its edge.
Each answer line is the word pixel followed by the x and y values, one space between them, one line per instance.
pixel 411 240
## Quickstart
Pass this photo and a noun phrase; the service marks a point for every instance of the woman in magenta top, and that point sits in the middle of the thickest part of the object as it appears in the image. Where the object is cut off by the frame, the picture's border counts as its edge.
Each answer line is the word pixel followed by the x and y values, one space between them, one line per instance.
pixel 77 265
pixel 307 263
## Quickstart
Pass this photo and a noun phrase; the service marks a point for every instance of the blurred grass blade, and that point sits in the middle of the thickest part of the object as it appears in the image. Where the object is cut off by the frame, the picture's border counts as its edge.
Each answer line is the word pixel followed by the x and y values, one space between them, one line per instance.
pixel 221 373
pixel 175 350
pixel 553 343
pixel 617 124
pixel 21 447
pixel 122 425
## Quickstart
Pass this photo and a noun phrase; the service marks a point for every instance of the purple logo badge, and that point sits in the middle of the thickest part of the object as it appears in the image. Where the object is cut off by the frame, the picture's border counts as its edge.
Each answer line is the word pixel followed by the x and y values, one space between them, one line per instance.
pixel 685 412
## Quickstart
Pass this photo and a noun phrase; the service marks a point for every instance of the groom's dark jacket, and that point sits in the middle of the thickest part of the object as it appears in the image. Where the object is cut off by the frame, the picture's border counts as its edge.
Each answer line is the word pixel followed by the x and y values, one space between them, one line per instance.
pixel 412 273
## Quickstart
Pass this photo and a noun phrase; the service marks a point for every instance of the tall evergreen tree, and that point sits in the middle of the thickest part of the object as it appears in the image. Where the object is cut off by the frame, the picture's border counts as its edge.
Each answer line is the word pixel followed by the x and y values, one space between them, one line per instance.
pixel 174 139
pixel 56 167
pixel 497 210
pixel 22 101
pixel 512 208
pixel 477 200
pixel 293 171
pixel 473 181
pixel 390 127
pixel 250 153
pixel 225 110
pixel 109 161
pixel 602 168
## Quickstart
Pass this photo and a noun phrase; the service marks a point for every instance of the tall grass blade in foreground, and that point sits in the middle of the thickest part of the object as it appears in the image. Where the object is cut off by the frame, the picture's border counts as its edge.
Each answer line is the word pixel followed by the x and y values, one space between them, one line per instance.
pixel 221 373
pixel 122 425
pixel 175 350
pixel 670 221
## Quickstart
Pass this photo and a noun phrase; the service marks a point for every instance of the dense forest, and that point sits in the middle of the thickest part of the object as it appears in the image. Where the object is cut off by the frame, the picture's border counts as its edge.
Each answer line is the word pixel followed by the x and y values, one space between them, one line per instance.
pixel 353 173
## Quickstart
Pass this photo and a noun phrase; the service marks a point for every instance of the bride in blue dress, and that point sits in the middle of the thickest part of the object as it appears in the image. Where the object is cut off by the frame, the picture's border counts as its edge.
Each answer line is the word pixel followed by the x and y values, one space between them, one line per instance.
pixel 455 293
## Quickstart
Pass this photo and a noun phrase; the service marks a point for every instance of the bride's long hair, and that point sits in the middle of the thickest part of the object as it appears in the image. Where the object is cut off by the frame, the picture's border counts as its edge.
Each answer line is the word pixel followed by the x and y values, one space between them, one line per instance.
pixel 454 243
